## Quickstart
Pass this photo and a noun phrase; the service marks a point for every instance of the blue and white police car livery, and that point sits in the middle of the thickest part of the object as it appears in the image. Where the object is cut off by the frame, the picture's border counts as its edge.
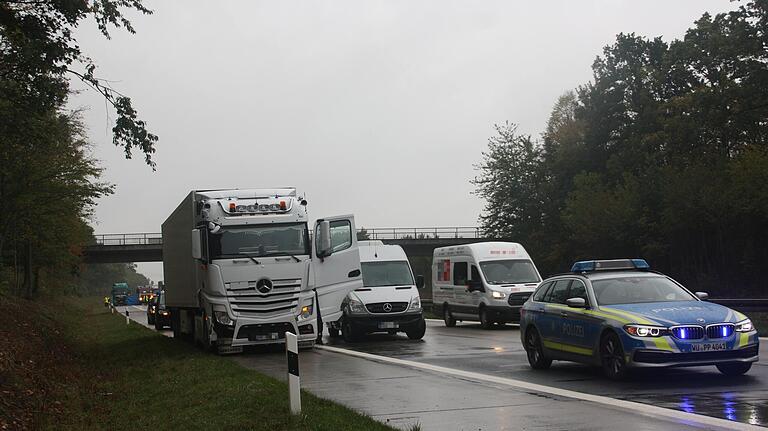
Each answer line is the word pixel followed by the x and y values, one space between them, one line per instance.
pixel 619 315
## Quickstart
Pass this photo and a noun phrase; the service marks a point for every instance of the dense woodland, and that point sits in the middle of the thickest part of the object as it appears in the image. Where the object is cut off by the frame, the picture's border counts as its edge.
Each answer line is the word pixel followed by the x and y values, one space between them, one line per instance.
pixel 664 155
pixel 48 179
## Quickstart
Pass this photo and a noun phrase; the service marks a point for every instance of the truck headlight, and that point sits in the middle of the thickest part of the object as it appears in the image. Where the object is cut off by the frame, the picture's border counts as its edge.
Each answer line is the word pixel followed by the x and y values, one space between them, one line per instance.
pixel 498 295
pixel 223 318
pixel 744 326
pixel 306 310
pixel 415 304
pixel 356 307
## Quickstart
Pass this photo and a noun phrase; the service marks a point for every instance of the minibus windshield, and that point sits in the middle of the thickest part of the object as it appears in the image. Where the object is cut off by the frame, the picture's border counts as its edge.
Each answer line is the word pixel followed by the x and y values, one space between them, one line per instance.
pixel 392 273
pixel 511 271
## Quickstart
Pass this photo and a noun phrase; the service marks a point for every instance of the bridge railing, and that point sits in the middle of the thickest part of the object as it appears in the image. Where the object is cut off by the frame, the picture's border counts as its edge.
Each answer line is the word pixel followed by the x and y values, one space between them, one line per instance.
pixel 420 232
pixel 129 239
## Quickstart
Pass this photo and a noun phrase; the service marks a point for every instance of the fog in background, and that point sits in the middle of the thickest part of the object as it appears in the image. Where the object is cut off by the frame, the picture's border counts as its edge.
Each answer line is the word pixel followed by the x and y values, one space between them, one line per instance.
pixel 377 108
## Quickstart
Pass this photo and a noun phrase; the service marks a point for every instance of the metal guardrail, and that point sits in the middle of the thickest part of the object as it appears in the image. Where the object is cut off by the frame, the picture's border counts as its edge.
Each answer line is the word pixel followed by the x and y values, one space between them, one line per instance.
pixel 422 232
pixel 741 304
pixel 129 239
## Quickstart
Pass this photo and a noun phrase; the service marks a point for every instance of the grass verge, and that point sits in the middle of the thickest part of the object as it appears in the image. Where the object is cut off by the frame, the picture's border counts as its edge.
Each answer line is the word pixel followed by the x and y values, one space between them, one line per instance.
pixel 74 366
pixel 760 320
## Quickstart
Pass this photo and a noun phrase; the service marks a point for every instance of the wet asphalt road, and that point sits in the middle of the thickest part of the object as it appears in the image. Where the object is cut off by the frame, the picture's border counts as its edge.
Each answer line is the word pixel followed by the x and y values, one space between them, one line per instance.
pixel 401 396
pixel 498 351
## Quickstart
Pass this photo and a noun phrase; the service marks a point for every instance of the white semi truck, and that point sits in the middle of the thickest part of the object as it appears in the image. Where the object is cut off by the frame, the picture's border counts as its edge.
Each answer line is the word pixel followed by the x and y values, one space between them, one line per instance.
pixel 241 268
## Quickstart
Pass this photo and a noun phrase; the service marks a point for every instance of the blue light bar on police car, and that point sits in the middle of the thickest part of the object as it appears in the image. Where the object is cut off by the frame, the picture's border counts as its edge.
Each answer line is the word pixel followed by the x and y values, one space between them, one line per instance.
pixel 609 265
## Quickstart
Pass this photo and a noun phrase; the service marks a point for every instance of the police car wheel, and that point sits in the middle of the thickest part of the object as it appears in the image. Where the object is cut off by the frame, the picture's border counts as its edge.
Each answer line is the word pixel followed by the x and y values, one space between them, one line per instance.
pixel 534 351
pixel 485 321
pixel 448 317
pixel 612 357
pixel 735 369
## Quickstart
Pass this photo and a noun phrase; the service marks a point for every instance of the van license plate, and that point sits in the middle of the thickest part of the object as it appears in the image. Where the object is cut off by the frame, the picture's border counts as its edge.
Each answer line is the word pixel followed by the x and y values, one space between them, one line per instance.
pixel 707 347
pixel 264 337
pixel 388 325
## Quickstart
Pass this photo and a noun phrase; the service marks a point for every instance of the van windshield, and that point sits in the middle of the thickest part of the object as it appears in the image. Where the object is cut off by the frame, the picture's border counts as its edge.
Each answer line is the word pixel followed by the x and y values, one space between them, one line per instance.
pixel 260 240
pixel 511 271
pixel 393 273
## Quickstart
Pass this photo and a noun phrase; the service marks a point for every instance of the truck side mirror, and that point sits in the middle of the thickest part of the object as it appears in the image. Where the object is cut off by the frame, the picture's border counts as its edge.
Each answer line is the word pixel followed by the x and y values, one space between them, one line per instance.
pixel 419 281
pixel 197 248
pixel 324 239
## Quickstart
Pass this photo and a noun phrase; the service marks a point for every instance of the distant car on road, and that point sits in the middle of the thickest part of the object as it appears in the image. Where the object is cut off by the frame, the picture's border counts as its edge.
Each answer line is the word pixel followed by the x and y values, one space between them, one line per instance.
pixel 151 310
pixel 619 314
pixel 162 317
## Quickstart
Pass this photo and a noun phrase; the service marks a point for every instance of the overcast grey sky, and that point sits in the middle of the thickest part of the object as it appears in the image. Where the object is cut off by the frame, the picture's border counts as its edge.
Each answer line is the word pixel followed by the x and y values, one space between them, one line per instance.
pixel 377 108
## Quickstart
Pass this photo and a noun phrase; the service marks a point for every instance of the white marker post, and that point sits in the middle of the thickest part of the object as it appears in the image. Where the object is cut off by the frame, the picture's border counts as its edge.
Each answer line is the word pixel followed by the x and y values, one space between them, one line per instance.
pixel 294 386
pixel 127 320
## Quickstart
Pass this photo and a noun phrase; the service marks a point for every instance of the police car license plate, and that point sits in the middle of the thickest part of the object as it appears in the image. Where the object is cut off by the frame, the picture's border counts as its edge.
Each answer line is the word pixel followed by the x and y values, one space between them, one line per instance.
pixel 388 325
pixel 707 347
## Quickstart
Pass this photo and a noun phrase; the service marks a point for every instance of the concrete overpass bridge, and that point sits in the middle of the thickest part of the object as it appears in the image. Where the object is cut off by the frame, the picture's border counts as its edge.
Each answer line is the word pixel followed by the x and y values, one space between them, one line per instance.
pixel 418 244
pixel 148 247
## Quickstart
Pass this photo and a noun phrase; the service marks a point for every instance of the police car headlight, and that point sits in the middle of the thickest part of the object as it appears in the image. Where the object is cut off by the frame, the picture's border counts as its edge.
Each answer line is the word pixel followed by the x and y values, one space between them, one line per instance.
pixel 744 326
pixel 645 330
pixel 356 307
pixel 415 304
pixel 498 295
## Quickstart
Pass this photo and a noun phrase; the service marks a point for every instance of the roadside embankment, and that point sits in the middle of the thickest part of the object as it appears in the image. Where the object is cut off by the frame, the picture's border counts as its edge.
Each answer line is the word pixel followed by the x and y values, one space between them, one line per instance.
pixel 70 364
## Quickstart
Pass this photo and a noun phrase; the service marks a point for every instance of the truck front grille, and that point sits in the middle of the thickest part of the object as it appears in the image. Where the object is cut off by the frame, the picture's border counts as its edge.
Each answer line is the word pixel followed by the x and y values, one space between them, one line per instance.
pixel 247 301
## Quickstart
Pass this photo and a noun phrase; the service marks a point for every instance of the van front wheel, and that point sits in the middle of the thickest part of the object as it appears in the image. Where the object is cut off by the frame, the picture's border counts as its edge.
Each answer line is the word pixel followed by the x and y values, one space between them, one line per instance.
pixel 448 317
pixel 485 321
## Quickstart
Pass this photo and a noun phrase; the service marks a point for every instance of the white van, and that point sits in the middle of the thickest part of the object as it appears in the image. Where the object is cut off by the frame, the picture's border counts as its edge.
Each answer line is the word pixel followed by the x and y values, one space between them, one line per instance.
pixel 389 299
pixel 486 282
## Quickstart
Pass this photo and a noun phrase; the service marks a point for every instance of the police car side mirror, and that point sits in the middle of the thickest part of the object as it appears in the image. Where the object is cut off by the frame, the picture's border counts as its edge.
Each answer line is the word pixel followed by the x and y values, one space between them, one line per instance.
pixel 576 302
pixel 702 295
pixel 419 281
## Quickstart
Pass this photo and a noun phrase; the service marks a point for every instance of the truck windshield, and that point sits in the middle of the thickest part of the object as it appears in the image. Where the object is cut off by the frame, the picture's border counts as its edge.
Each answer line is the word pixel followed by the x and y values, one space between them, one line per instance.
pixel 509 271
pixel 633 290
pixel 393 273
pixel 258 241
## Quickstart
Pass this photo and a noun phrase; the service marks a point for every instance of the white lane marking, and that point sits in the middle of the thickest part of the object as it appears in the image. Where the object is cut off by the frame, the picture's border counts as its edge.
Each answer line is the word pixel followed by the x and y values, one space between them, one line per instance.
pixel 644 409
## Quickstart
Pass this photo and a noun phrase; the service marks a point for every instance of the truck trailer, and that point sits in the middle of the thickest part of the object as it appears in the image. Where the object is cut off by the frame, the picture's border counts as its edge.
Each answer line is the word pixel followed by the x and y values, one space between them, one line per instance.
pixel 241 268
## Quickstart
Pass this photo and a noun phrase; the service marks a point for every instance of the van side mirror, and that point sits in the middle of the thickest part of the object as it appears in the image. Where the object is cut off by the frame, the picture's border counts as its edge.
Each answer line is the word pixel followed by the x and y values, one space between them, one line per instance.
pixel 475 285
pixel 702 295
pixel 324 239
pixel 419 281
pixel 197 247
pixel 576 302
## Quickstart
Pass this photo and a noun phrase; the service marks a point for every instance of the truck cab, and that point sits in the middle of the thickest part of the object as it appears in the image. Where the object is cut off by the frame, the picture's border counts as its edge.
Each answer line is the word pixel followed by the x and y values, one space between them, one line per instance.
pixel 389 299
pixel 486 282
pixel 241 268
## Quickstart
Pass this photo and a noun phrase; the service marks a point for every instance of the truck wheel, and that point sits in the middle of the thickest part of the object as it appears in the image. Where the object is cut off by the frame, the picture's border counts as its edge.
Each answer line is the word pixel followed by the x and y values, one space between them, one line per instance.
pixel 416 332
pixel 485 321
pixel 333 332
pixel 175 323
pixel 349 332
pixel 735 369
pixel 448 317
pixel 159 326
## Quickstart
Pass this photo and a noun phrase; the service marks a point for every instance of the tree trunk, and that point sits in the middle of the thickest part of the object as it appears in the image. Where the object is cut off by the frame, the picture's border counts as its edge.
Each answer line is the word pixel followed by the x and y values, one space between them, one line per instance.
pixel 28 269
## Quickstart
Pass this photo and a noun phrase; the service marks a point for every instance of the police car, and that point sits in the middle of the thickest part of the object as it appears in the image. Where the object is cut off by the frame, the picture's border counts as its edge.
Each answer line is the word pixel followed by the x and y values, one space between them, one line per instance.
pixel 618 314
